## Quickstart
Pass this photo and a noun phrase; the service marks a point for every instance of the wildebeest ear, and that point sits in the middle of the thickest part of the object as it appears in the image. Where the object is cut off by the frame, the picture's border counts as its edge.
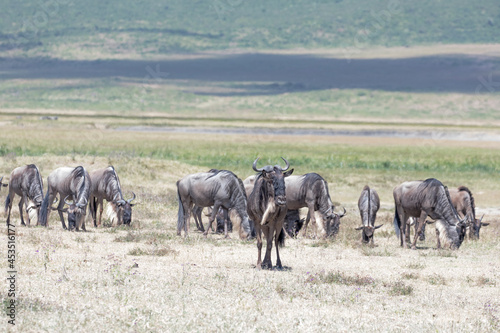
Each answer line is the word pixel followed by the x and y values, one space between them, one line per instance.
pixel 429 222
pixel 288 173
pixel 484 224
pixel 359 228
pixel 5 185
pixel 264 174
pixel 132 205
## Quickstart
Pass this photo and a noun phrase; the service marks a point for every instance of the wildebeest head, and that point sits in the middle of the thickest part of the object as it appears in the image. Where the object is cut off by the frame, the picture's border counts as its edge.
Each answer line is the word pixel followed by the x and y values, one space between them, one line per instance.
pixel 76 213
pixel 332 222
pixel 368 232
pixel 476 226
pixel 275 176
pixel 2 184
pixel 125 209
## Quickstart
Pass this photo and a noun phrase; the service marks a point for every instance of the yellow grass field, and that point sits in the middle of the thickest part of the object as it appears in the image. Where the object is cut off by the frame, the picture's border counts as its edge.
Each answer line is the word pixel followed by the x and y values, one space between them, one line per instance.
pixel 145 278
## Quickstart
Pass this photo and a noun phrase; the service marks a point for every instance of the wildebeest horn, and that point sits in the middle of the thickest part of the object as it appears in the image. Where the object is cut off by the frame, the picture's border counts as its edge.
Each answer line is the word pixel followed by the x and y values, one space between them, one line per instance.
pixel 83 204
pixel 378 226
pixel 133 198
pixel 254 166
pixel 342 215
pixel 481 219
pixel 287 164
pixel 65 201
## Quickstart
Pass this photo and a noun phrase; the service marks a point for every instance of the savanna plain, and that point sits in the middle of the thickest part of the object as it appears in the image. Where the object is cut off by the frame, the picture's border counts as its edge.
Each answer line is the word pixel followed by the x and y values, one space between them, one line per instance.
pixel 182 88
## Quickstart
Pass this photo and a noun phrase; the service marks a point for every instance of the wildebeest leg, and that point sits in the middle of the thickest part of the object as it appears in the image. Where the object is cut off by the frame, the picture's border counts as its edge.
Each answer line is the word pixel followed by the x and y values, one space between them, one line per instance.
pixel 258 234
pixel 21 214
pixel 60 211
pixel 402 219
pixel 212 217
pixel 438 241
pixel 100 204
pixel 225 222
pixel 313 220
pixel 197 212
pixel 418 229
pixel 278 260
pixel 268 234
pixel 93 211
pixel 304 227
pixel 420 223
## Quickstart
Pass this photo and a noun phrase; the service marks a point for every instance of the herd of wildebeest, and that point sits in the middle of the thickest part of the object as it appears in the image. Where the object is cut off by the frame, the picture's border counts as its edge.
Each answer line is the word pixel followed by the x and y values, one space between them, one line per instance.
pixel 267 202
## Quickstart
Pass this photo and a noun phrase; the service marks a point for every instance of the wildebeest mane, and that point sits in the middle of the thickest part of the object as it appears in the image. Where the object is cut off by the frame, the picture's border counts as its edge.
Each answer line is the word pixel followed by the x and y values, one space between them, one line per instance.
pixel 308 182
pixel 472 203
pixel 442 204
pixel 36 183
pixel 111 178
pixel 83 184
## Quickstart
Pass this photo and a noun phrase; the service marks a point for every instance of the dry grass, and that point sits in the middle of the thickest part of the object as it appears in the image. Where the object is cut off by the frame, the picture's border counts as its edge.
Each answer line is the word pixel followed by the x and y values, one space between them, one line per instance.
pixel 148 279
pixel 145 278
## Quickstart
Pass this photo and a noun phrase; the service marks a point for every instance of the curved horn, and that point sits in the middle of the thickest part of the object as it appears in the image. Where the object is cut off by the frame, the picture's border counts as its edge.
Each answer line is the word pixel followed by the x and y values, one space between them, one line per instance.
pixel 287 164
pixel 66 202
pixel 343 214
pixel 254 166
pixel 378 226
pixel 481 219
pixel 56 199
pixel 83 204
pixel 133 198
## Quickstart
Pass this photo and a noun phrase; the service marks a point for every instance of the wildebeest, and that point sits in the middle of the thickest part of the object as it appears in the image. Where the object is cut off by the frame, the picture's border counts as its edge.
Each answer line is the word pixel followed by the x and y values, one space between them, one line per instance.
pixel 427 198
pixel 26 182
pixel 267 208
pixel 106 185
pixel 463 201
pixel 218 189
pixel 368 204
pixel 71 184
pixel 311 191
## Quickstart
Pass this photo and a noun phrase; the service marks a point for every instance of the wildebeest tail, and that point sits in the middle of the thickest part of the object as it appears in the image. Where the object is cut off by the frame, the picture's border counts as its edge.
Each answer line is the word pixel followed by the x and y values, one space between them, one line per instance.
pixel 397 222
pixel 7 203
pixel 42 217
pixel 180 213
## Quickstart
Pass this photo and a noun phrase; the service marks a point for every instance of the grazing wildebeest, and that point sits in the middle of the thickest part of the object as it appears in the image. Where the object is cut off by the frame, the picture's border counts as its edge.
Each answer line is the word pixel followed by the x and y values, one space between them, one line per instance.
pixel 26 182
pixel 427 198
pixel 267 208
pixel 368 204
pixel 311 191
pixel 218 189
pixel 293 223
pixel 106 185
pixel 463 201
pixel 71 184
